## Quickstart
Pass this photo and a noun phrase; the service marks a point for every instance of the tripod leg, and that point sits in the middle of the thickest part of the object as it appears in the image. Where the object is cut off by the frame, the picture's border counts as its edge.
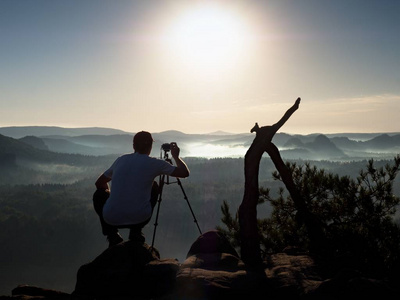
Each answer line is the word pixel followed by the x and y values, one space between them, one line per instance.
pixel 190 207
pixel 161 186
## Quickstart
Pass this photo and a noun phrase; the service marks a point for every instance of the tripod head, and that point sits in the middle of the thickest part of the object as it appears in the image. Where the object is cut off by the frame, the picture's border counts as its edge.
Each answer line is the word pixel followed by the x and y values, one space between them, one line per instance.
pixel 166 148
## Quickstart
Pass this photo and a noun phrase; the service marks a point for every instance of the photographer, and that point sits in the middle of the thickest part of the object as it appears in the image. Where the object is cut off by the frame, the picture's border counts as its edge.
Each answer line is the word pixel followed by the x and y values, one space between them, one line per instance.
pixel 130 202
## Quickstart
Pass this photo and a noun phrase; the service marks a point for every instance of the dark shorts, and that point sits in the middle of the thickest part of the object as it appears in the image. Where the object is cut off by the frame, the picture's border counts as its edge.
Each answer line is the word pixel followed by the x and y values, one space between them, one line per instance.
pixel 100 198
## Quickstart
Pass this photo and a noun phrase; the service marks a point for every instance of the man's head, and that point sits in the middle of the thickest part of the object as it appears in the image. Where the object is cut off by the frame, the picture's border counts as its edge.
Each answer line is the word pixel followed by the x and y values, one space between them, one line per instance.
pixel 143 142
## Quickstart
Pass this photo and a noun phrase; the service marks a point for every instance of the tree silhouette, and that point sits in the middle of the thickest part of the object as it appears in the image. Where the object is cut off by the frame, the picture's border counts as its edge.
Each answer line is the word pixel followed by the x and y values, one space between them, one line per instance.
pixel 356 216
pixel 249 236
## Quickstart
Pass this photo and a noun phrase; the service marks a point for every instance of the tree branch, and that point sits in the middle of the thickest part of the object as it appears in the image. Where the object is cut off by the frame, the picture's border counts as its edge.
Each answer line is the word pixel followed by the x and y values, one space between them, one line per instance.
pixel 250 240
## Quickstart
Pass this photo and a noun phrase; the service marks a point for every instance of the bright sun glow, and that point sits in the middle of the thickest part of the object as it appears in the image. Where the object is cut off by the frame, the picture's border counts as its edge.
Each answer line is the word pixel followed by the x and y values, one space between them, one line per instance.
pixel 208 37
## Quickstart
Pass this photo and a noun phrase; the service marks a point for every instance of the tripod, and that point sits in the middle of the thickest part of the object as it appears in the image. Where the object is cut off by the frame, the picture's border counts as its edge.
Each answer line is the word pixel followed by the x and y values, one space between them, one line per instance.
pixel 162 182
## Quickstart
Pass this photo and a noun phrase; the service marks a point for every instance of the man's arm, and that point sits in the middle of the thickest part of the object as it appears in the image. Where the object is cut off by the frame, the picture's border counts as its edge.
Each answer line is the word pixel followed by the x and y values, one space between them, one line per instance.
pixel 102 182
pixel 181 170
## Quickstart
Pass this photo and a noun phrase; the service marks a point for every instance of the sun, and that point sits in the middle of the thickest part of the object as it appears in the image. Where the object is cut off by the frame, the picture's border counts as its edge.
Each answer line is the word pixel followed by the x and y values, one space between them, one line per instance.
pixel 208 36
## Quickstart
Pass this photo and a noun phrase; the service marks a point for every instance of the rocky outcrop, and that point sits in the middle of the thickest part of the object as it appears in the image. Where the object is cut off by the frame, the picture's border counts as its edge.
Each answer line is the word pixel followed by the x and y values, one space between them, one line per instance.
pixel 212 270
pixel 128 269
pixel 26 292
pixel 219 273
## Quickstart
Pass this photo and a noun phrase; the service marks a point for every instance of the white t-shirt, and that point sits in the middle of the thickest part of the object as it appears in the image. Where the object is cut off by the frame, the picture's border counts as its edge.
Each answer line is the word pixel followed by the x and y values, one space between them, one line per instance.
pixel 132 180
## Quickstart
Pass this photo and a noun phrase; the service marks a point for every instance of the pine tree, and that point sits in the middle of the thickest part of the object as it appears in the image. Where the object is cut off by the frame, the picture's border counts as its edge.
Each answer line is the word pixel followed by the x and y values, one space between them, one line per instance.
pixel 356 216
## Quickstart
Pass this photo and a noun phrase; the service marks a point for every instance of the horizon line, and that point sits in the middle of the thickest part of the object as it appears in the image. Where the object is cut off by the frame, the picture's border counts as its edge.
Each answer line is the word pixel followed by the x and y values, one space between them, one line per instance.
pixel 216 132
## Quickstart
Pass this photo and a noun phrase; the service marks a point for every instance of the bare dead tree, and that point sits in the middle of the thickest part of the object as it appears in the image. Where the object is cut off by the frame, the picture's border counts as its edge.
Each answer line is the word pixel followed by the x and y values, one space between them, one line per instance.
pixel 249 236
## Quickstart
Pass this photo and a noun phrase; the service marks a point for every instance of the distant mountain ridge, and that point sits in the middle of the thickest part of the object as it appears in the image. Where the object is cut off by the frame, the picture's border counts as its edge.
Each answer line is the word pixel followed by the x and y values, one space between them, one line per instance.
pixel 41 131
pixel 46 131
pixel 104 141
pixel 22 151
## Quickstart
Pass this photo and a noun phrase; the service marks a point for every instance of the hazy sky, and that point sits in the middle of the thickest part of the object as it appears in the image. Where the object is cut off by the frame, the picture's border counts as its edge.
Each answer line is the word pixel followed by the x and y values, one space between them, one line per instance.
pixel 201 66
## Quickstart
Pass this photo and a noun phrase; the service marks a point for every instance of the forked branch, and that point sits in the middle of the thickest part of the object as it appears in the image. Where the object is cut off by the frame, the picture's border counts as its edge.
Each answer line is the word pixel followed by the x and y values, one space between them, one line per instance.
pixel 250 242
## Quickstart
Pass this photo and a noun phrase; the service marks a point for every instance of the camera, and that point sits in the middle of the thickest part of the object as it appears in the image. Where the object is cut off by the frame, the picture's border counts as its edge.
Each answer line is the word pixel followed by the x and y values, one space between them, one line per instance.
pixel 166 147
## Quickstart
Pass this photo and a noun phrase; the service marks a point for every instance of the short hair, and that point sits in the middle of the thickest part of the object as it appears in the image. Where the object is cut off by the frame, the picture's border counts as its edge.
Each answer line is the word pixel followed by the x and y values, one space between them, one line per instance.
pixel 142 142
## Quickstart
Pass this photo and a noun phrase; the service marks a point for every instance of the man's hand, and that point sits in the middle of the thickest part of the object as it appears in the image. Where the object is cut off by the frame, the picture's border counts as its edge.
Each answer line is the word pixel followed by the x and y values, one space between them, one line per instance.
pixel 181 170
pixel 175 150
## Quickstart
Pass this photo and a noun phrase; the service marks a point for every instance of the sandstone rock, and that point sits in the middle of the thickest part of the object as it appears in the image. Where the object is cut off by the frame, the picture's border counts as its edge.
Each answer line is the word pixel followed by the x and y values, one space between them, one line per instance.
pixel 127 269
pixel 211 242
pixel 212 270
pixel 351 284
pixel 292 276
pixel 27 292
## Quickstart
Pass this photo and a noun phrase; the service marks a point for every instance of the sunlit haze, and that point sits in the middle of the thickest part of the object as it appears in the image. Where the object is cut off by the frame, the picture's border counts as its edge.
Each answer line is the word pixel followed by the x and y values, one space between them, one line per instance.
pixel 201 66
pixel 208 38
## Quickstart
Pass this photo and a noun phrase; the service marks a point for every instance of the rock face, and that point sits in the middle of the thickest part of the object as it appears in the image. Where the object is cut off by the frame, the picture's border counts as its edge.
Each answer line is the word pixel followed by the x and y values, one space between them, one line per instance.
pixel 212 270
pixel 127 269
pixel 26 292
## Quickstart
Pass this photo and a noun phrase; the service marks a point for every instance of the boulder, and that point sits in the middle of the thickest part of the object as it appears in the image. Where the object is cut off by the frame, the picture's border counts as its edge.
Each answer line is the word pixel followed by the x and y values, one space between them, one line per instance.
pixel 292 275
pixel 211 242
pixel 213 270
pixel 127 269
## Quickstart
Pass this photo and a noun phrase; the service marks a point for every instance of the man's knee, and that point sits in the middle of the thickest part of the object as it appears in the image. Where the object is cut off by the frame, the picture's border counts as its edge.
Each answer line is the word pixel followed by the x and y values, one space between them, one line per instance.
pixel 99 199
pixel 101 195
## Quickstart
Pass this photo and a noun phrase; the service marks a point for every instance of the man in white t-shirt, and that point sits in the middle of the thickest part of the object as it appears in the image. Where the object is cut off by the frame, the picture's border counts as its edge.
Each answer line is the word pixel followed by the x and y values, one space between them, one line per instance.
pixel 130 201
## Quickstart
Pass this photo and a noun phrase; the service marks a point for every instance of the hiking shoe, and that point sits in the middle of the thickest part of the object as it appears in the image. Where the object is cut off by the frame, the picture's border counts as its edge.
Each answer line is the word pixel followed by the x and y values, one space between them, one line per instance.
pixel 114 239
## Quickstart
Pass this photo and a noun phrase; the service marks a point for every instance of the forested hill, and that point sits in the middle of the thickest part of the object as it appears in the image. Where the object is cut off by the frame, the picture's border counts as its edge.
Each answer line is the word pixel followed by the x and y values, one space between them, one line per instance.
pixel 22 163
pixel 22 131
pixel 20 151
